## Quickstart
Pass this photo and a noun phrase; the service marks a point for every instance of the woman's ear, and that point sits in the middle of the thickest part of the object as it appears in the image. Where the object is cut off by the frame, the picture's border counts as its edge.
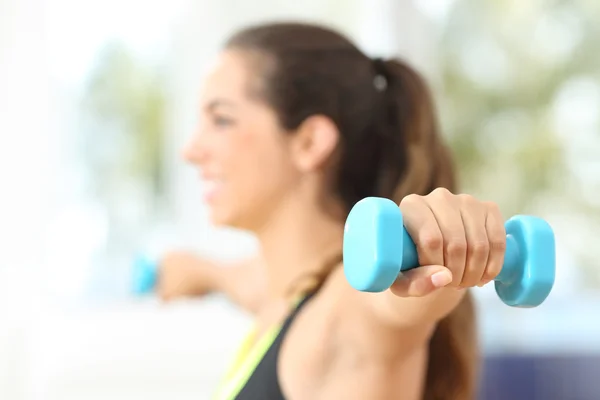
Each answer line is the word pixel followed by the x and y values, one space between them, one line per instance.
pixel 314 142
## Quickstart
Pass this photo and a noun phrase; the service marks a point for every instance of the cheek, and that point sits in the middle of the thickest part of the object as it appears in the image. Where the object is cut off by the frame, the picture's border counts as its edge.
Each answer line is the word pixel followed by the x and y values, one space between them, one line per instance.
pixel 243 154
pixel 262 165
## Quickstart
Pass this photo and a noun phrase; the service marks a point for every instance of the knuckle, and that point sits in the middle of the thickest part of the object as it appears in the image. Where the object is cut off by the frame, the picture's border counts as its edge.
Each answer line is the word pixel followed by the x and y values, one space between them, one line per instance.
pixel 431 241
pixel 492 208
pixel 490 205
pixel 467 198
pixel 456 248
pixel 411 199
pixel 492 271
pixel 479 247
pixel 441 192
pixel 498 243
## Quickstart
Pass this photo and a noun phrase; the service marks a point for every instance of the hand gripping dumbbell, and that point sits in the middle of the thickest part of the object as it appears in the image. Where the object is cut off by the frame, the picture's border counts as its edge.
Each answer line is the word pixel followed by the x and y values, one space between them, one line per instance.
pixel 144 275
pixel 377 249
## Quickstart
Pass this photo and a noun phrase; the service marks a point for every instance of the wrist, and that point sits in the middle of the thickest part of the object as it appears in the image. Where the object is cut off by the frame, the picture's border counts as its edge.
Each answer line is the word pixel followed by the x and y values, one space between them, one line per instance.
pixel 208 278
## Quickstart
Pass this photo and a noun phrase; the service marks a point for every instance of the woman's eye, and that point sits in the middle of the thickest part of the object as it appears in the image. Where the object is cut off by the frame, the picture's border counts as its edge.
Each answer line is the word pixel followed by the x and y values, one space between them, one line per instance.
pixel 222 121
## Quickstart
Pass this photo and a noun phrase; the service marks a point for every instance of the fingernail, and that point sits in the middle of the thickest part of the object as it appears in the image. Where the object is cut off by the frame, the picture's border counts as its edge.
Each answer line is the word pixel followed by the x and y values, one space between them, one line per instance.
pixel 441 279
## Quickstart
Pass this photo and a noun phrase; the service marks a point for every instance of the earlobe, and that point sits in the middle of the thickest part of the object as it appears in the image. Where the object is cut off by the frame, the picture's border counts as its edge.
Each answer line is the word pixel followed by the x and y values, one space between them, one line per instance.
pixel 315 142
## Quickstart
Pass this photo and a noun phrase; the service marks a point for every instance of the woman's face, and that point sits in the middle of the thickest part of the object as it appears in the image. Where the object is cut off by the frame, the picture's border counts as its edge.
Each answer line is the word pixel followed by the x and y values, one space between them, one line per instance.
pixel 239 147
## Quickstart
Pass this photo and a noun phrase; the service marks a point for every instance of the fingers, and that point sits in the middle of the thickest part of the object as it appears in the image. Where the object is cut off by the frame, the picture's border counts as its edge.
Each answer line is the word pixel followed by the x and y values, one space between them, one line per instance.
pixel 473 214
pixel 419 282
pixel 458 232
pixel 446 209
pixel 423 228
pixel 496 233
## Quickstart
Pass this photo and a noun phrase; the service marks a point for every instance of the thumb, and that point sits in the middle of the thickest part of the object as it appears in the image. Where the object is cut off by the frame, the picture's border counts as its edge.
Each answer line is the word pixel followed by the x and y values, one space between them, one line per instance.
pixel 421 281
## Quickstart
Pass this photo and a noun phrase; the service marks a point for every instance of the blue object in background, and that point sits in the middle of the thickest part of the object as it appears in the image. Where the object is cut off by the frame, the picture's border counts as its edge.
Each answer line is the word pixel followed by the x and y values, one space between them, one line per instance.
pixel 144 275
pixel 540 377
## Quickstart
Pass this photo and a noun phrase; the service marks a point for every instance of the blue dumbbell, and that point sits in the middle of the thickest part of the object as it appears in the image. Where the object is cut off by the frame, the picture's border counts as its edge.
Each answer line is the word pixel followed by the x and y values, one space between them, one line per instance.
pixel 144 275
pixel 377 248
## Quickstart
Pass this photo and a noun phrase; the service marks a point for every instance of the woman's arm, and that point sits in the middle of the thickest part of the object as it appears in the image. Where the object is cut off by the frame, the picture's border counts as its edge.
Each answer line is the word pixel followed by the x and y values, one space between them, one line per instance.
pixel 245 283
pixel 408 312
pixel 184 274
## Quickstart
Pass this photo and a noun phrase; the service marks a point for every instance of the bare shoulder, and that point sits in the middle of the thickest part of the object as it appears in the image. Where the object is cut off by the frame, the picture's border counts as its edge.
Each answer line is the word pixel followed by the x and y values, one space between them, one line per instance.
pixel 365 330
pixel 344 317
pixel 335 340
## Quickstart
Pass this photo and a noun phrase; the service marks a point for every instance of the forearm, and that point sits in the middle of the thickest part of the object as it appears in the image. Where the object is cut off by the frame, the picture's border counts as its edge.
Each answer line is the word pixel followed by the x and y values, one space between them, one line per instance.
pixel 406 312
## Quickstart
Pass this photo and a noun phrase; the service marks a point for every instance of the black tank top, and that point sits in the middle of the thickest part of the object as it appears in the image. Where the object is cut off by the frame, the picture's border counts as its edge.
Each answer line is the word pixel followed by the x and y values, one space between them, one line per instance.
pixel 263 384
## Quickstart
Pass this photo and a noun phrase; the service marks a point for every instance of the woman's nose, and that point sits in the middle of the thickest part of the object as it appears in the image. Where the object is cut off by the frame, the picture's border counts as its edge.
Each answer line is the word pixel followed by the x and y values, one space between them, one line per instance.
pixel 194 151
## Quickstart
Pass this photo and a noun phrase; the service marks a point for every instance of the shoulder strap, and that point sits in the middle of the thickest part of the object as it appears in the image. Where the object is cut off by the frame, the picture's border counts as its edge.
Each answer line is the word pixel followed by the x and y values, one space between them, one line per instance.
pixel 263 384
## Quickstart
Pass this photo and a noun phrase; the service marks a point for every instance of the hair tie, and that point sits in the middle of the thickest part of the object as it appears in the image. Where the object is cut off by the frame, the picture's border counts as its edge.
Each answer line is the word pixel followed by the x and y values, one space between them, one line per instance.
pixel 380 81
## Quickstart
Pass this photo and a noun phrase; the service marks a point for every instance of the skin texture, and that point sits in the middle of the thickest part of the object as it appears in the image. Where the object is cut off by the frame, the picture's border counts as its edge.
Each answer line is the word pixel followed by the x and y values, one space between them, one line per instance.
pixel 184 274
pixel 344 344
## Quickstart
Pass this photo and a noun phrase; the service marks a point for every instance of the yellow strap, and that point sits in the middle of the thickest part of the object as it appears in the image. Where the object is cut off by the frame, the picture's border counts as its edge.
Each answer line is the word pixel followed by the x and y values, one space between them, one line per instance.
pixel 245 363
pixel 246 360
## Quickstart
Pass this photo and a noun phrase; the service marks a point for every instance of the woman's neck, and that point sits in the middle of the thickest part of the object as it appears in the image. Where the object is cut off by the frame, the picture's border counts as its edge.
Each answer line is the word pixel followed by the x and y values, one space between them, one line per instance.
pixel 299 243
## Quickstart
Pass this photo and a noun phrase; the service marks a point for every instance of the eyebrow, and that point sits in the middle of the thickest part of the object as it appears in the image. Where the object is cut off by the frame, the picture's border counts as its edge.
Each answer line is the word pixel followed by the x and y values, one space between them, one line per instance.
pixel 218 102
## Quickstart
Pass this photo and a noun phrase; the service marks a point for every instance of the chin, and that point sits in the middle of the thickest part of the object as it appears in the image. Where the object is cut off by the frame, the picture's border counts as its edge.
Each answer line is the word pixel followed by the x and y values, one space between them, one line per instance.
pixel 219 219
pixel 223 218
pixel 233 221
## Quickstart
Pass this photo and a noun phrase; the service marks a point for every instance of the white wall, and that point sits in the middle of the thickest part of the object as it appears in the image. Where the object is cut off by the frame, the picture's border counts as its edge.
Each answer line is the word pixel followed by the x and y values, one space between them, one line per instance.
pixel 28 165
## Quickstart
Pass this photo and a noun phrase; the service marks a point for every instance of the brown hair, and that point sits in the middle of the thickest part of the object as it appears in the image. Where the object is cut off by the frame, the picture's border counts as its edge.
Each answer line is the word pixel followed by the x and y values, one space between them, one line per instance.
pixel 389 147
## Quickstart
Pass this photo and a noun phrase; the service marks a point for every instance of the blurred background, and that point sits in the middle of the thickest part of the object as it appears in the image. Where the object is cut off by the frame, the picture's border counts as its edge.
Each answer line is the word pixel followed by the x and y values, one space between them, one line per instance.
pixel 97 99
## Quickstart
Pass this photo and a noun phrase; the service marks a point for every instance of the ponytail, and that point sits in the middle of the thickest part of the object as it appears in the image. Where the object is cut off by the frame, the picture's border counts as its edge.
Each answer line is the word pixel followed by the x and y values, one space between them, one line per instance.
pixel 453 354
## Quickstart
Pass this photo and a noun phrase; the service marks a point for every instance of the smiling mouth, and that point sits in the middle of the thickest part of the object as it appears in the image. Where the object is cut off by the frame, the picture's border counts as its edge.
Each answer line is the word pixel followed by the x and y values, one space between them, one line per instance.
pixel 211 189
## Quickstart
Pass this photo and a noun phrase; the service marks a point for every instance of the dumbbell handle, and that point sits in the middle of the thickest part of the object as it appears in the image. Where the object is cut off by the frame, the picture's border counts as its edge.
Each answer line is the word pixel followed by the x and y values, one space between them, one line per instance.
pixel 377 248
pixel 510 267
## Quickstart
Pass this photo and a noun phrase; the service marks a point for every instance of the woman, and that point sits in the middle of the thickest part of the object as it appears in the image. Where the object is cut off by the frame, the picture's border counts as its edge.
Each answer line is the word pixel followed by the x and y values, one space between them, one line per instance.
pixel 297 126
